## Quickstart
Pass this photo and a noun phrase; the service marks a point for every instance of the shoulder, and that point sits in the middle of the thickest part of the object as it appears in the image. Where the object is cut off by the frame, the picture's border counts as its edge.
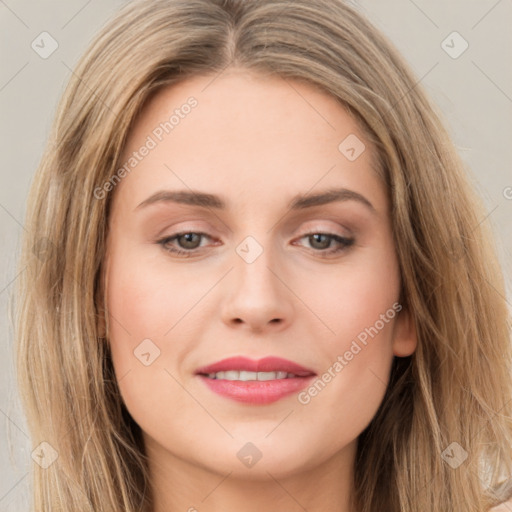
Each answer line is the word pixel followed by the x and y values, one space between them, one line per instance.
pixel 503 491
pixel 504 507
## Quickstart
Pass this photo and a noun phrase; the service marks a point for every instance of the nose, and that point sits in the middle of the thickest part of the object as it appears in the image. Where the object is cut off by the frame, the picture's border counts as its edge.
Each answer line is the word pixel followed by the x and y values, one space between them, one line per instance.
pixel 256 296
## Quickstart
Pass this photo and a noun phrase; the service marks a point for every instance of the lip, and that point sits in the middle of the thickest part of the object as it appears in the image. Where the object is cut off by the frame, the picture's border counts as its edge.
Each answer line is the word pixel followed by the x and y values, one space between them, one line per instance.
pixel 256 392
pixel 267 364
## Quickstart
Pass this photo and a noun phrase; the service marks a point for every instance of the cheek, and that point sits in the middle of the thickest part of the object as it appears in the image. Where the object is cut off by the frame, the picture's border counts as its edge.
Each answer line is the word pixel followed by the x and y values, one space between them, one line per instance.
pixel 353 296
pixel 145 298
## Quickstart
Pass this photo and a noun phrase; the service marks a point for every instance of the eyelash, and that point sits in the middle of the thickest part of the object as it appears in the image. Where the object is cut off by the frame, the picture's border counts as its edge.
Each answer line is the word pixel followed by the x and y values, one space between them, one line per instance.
pixel 344 241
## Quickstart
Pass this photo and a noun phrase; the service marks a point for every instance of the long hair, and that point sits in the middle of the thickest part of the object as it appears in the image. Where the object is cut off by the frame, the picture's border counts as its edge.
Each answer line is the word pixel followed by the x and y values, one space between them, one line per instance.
pixel 442 438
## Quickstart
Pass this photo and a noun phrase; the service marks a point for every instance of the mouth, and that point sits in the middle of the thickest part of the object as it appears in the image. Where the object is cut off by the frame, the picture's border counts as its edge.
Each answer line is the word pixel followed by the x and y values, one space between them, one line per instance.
pixel 260 381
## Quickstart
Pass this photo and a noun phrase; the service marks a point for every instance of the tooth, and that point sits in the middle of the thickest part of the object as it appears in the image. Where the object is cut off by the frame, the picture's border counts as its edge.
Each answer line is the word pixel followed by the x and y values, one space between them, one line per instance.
pixel 247 376
pixel 244 376
pixel 266 375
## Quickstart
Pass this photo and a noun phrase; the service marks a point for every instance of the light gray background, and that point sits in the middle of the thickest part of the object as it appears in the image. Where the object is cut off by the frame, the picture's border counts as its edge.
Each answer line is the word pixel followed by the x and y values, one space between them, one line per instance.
pixel 474 92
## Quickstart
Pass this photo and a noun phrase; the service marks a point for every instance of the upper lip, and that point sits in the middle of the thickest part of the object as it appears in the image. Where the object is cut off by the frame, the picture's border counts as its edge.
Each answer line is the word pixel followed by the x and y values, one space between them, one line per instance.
pixel 267 364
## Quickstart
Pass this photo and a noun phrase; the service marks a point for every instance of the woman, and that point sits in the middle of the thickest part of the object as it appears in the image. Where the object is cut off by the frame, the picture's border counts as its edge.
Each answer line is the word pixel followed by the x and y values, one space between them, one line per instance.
pixel 261 280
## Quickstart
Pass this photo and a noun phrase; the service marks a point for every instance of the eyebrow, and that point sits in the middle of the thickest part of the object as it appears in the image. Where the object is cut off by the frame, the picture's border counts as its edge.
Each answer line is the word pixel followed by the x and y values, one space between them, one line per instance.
pixel 299 202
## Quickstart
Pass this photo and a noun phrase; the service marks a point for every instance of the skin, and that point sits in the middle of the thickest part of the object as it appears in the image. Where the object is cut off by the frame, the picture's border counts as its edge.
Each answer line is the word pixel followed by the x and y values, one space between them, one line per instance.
pixel 256 142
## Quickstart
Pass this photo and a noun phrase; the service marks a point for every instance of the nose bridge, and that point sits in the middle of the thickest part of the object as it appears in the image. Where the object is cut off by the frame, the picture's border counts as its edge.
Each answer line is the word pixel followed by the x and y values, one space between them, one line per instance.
pixel 253 266
pixel 255 252
pixel 256 295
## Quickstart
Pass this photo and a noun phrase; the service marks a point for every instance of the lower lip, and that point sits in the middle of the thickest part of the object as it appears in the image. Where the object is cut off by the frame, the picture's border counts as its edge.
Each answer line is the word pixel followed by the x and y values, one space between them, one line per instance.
pixel 255 391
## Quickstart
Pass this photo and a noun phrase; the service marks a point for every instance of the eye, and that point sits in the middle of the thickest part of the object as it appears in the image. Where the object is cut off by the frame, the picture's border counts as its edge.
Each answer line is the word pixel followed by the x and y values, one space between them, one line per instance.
pixel 328 243
pixel 188 242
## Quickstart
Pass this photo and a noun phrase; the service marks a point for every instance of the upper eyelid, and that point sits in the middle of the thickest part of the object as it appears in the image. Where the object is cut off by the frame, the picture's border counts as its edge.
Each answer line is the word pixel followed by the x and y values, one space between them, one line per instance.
pixel 203 233
pixel 287 225
pixel 309 230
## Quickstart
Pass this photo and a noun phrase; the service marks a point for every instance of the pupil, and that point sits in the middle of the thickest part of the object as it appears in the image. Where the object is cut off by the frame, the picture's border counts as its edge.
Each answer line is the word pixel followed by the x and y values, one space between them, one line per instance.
pixel 189 243
pixel 317 238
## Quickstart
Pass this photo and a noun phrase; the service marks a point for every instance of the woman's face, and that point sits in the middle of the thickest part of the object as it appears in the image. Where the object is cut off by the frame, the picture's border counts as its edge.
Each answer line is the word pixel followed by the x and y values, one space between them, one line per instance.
pixel 250 233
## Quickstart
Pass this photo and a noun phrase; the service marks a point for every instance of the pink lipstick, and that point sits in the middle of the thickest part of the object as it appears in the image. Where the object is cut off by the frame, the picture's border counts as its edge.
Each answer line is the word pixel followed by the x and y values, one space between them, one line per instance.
pixel 251 381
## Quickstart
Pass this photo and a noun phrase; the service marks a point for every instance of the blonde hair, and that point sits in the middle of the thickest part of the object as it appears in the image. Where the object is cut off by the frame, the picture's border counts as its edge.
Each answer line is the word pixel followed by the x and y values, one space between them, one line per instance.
pixel 456 388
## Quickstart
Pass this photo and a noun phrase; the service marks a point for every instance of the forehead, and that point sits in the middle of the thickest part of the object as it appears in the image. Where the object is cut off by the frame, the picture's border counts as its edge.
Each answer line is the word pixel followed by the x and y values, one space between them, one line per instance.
pixel 247 135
